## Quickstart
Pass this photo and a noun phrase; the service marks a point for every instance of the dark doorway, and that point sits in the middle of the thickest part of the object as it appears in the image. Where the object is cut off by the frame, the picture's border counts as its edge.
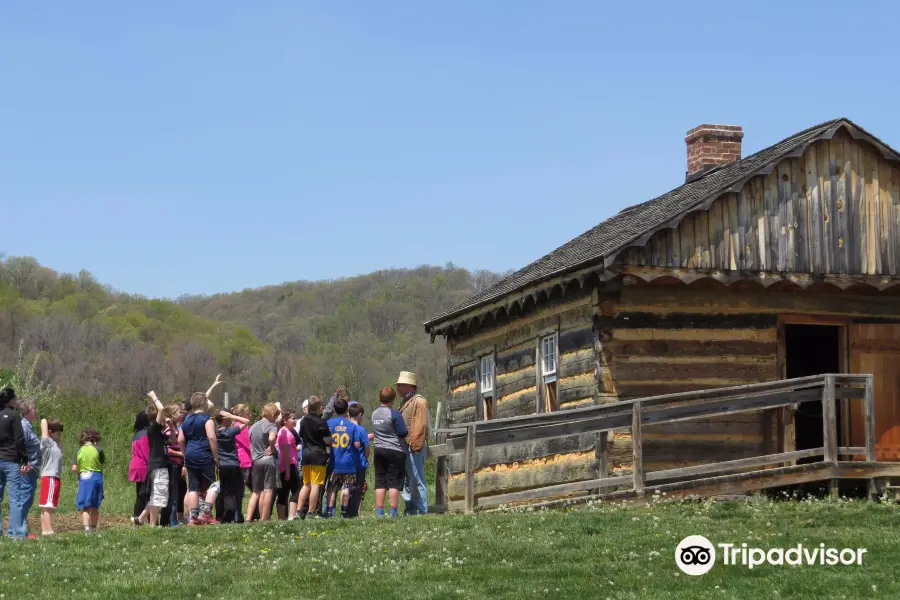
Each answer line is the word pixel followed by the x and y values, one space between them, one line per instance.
pixel 812 350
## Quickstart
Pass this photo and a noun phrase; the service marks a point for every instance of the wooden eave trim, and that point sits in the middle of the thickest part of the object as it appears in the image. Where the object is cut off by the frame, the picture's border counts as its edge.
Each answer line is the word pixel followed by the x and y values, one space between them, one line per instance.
pixel 538 293
pixel 764 278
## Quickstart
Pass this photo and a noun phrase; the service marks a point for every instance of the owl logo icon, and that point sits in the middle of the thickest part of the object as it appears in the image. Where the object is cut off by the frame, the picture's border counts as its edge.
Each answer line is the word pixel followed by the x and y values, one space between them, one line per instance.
pixel 695 555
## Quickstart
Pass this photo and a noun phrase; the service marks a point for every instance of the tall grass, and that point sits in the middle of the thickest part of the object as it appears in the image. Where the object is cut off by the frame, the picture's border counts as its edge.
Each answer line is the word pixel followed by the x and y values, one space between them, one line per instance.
pixel 113 417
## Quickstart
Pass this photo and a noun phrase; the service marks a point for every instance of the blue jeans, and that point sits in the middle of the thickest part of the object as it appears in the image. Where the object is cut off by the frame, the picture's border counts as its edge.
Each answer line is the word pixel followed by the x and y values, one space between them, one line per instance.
pixel 28 485
pixel 415 492
pixel 11 478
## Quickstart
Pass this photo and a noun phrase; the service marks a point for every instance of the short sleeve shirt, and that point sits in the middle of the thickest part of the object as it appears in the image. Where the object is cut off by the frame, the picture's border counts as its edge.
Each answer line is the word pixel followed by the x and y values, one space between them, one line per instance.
pixel 313 431
pixel 344 436
pixel 242 441
pixel 363 438
pixel 226 439
pixel 287 439
pixel 389 428
pixel 259 438
pixel 156 440
pixel 197 453
pixel 89 458
pixel 51 458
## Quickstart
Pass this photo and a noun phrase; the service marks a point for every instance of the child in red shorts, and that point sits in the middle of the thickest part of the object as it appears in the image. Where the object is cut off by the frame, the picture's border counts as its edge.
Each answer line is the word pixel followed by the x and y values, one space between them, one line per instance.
pixel 51 468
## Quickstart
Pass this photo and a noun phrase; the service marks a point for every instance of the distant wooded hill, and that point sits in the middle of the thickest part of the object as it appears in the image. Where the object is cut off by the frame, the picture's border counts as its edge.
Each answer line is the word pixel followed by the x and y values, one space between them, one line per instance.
pixel 282 342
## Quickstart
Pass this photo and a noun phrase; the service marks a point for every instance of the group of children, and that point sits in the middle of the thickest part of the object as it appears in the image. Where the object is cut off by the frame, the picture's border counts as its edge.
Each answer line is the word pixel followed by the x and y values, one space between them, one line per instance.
pixel 293 466
pixel 187 462
pixel 348 442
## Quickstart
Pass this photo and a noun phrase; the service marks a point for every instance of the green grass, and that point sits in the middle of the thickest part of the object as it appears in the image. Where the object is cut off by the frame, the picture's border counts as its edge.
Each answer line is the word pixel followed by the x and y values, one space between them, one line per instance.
pixel 602 551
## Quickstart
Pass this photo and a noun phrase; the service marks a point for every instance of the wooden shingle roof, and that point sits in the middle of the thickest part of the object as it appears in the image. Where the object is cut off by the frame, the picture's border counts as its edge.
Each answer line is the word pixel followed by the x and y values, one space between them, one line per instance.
pixel 634 225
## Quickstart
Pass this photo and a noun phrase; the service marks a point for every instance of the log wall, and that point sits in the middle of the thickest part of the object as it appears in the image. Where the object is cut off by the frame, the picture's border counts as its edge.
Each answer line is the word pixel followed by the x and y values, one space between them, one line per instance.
pixel 643 340
pixel 514 344
pixel 652 348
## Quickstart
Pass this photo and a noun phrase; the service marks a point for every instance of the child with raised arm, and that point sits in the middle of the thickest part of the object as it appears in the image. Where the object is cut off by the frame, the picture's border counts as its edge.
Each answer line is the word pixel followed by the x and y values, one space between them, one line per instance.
pixel 231 480
pixel 157 463
pixel 51 469
pixel 89 467
pixel 227 493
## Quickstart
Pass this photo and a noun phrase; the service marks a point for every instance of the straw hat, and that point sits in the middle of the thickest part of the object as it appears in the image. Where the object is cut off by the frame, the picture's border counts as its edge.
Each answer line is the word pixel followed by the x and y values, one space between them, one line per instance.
pixel 407 378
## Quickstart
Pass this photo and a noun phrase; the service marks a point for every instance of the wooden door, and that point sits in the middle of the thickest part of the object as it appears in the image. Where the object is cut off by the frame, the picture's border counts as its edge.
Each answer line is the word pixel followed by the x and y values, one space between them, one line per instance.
pixel 875 349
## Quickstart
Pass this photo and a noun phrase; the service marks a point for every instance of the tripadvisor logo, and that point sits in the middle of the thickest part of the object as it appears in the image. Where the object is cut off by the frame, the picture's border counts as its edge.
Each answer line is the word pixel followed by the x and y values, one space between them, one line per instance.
pixel 696 555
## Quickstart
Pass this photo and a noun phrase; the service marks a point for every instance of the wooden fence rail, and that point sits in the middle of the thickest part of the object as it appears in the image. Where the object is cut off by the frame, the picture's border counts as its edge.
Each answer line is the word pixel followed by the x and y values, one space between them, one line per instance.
pixel 633 415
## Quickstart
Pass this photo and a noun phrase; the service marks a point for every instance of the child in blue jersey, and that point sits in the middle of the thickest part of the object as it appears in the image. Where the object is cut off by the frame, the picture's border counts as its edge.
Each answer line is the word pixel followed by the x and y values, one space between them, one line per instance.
pixel 356 412
pixel 345 449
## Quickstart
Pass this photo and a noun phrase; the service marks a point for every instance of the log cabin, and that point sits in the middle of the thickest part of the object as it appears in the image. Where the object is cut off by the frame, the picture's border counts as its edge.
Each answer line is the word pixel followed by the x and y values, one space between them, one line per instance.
pixel 782 264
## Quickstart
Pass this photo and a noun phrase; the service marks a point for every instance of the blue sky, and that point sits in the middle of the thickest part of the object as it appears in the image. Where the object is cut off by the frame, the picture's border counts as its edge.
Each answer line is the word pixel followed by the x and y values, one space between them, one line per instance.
pixel 200 147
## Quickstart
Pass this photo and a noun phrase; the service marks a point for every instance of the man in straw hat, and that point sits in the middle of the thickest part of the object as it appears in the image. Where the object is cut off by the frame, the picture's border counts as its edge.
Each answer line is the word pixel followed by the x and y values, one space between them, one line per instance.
pixel 414 408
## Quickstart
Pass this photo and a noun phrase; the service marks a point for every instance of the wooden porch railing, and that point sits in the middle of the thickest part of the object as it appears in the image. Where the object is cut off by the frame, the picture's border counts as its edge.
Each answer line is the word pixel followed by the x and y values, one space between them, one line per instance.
pixel 635 414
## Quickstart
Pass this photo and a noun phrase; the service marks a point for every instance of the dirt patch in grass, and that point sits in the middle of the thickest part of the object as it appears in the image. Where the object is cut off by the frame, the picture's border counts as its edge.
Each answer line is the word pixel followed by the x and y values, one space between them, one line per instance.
pixel 67 522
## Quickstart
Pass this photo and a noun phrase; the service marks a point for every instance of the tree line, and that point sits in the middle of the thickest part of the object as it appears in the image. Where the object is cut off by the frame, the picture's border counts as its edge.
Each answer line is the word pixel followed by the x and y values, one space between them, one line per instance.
pixel 283 342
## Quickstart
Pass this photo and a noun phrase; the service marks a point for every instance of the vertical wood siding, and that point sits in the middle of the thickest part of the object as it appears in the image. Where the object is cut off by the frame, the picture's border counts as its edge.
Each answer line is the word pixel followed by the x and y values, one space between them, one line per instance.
pixel 834 210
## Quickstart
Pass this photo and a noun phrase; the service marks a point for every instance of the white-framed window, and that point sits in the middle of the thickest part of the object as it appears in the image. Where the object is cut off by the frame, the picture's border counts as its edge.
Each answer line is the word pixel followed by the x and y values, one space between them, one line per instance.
pixel 548 358
pixel 486 386
pixel 487 375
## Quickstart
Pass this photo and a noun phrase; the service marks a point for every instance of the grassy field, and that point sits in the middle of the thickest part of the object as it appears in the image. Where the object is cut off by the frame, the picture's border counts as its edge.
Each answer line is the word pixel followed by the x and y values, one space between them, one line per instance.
pixel 601 551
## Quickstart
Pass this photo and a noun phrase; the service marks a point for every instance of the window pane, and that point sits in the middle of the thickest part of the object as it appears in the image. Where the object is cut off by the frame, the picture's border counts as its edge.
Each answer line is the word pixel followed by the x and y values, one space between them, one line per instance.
pixel 548 355
pixel 487 374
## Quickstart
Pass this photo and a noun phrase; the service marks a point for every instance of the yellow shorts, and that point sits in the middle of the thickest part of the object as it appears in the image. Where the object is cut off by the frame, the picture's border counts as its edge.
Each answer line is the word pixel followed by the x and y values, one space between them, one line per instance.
pixel 314 474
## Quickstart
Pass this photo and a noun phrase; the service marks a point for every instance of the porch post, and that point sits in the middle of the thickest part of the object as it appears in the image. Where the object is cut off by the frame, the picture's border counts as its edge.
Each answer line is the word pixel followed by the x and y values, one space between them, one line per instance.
pixel 470 468
pixel 869 402
pixel 829 428
pixel 637 449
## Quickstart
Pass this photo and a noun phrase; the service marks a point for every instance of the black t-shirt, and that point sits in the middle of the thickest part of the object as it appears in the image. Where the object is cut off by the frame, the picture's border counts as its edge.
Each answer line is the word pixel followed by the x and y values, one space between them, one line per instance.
pixel 156 439
pixel 225 438
pixel 313 431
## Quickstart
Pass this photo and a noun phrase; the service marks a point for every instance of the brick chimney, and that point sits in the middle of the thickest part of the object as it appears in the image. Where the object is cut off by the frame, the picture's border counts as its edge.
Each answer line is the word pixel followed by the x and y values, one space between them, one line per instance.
pixel 711 146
